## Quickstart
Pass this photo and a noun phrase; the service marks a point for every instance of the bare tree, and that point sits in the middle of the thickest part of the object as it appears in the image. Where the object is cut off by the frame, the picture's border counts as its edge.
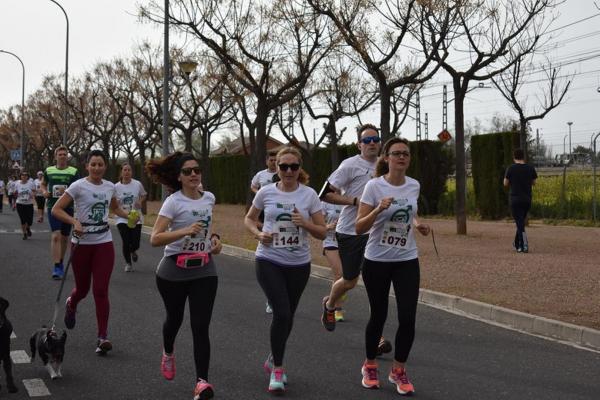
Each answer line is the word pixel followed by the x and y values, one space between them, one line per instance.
pixel 376 30
pixel 510 85
pixel 494 34
pixel 268 48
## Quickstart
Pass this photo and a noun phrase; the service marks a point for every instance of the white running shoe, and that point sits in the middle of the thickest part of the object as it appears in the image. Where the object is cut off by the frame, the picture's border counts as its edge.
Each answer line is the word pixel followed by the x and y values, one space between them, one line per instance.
pixel 128 268
pixel 268 309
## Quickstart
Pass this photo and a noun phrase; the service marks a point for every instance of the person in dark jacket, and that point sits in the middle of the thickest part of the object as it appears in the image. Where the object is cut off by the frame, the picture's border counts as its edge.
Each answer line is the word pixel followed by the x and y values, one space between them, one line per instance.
pixel 520 177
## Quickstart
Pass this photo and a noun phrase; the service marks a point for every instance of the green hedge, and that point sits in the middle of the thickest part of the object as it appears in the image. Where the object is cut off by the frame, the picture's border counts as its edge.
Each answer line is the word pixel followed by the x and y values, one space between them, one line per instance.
pixel 491 154
pixel 430 165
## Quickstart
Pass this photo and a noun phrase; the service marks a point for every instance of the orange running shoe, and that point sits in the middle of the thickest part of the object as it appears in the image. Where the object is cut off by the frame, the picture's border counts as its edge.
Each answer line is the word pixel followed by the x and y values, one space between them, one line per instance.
pixel 370 378
pixel 399 378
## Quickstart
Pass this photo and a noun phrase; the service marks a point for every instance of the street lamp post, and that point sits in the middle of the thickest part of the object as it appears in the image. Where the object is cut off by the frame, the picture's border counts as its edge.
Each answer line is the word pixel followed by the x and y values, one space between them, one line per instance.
pixel 564 146
pixel 64 133
pixel 570 149
pixel 22 140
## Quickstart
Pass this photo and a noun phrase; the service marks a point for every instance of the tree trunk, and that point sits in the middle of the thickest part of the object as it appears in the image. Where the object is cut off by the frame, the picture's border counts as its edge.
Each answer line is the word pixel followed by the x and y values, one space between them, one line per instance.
pixel 385 95
pixel 461 170
pixel 333 144
pixel 523 137
pixel 188 140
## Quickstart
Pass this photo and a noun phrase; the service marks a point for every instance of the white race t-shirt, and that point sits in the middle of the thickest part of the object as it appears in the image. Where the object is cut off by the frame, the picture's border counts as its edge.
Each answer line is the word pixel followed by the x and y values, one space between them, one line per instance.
pixel 351 177
pixel 392 238
pixel 10 187
pixel 92 205
pixel 262 178
pixel 331 212
pixel 25 191
pixel 183 211
pixel 290 243
pixel 38 187
pixel 127 196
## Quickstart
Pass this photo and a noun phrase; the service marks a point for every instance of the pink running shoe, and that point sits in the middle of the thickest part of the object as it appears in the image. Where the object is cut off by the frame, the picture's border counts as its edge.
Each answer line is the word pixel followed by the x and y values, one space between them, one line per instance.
pixel 167 366
pixel 370 377
pixel 268 367
pixel 399 378
pixel 203 390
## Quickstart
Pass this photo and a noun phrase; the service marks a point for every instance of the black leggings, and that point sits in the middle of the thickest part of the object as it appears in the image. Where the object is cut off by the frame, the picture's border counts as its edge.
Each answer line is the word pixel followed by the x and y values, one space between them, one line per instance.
pixel 519 212
pixel 405 276
pixel 283 287
pixel 25 212
pixel 130 238
pixel 201 293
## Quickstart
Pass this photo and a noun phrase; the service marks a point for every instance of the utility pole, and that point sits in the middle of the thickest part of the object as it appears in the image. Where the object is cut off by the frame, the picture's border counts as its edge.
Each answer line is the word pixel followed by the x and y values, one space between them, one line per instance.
pixel 418 116
pixel 426 126
pixel 445 109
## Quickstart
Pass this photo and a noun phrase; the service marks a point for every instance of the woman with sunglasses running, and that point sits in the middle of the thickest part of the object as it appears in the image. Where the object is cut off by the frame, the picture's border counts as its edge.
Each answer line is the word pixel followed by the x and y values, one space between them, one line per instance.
pixel 187 271
pixel 388 210
pixel 292 210
pixel 94 256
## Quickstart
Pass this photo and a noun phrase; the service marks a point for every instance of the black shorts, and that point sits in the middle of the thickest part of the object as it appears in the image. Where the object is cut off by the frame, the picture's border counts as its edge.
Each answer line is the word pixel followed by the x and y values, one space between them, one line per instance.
pixel 352 251
pixel 41 202
pixel 329 248
pixel 25 212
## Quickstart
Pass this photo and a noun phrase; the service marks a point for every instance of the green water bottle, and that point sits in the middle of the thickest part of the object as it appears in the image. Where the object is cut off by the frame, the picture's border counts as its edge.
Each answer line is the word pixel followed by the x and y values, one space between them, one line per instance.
pixel 132 218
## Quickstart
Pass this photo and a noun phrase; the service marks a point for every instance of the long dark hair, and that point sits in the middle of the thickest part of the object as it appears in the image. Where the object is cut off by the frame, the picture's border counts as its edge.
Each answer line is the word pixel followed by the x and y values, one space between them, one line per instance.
pixel 166 170
pixel 382 166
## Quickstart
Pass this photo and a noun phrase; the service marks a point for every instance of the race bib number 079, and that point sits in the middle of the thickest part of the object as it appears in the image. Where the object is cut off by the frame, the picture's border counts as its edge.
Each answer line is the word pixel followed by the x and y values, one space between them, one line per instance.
pixel 395 234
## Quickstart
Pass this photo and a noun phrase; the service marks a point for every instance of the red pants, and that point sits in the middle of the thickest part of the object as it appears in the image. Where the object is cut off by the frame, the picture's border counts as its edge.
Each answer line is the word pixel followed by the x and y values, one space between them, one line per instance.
pixel 94 261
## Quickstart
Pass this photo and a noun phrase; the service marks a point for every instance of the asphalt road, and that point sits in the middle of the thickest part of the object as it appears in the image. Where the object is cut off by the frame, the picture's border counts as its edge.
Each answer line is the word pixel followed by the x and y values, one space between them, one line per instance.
pixel 452 358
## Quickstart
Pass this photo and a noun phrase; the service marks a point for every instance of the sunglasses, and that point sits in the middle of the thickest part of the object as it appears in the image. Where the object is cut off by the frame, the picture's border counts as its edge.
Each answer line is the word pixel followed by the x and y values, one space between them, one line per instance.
pixel 293 167
pixel 188 171
pixel 406 154
pixel 369 139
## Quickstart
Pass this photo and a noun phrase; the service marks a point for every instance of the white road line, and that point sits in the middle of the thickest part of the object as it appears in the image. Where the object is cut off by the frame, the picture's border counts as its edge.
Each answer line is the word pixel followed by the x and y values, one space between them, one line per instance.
pixel 36 387
pixel 18 231
pixel 20 357
pixel 13 336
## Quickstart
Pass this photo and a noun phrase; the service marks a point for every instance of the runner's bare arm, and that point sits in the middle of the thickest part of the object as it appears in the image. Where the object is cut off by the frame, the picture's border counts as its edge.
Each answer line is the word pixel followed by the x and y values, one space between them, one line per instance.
pixel 424 229
pixel 58 212
pixel 251 221
pixel 315 225
pixel 367 214
pixel 161 237
pixel 114 207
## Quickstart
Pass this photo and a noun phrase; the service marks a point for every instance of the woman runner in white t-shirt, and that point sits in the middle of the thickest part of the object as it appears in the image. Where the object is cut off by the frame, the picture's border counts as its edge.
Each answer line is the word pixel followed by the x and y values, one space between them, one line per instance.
pixel 187 271
pixel 93 257
pixel 24 194
pixel 292 210
pixel 388 211
pixel 130 194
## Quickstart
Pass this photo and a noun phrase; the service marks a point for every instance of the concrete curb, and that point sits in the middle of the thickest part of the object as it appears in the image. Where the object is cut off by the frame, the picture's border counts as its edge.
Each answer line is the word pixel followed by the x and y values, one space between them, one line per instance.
pixel 575 335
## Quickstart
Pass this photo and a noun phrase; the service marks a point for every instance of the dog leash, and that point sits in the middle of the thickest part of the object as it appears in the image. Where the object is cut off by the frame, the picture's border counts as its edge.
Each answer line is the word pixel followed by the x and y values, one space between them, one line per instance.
pixel 62 281
pixel 434 246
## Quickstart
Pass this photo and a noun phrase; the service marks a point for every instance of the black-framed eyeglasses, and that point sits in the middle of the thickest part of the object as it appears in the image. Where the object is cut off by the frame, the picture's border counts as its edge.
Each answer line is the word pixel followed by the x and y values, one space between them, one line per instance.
pixel 399 153
pixel 188 171
pixel 369 139
pixel 293 167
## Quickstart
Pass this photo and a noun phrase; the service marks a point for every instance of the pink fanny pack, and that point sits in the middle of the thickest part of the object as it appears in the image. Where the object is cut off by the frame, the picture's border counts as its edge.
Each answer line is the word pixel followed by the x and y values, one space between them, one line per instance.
pixel 193 260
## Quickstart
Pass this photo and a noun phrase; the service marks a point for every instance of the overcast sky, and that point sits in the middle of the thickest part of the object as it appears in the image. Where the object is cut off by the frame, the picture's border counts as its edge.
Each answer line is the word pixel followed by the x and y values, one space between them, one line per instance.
pixel 101 30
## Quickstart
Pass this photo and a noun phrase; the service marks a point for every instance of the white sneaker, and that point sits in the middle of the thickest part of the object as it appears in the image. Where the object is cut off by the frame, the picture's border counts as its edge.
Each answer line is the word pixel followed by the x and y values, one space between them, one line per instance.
pixel 128 268
pixel 268 309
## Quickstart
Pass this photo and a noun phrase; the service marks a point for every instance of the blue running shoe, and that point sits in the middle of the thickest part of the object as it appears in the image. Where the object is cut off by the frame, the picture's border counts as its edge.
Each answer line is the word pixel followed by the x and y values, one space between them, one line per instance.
pixel 58 272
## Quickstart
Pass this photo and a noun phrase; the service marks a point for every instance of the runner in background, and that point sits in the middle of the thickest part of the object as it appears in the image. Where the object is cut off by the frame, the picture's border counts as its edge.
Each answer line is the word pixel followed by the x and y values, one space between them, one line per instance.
pixel 2 191
pixel 345 186
pixel 10 192
pixel 261 179
pixel 187 271
pixel 24 192
pixel 331 212
pixel 57 179
pixel 93 257
pixel 388 210
pixel 40 200
pixel 292 211
pixel 130 195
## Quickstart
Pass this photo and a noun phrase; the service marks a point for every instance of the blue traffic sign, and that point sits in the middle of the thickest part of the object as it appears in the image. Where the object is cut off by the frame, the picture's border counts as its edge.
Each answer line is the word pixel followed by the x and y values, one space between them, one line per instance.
pixel 15 155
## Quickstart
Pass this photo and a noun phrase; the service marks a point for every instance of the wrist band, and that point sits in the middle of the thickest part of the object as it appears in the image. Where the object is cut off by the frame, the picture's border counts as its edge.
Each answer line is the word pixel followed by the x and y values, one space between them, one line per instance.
pixel 215 235
pixel 354 202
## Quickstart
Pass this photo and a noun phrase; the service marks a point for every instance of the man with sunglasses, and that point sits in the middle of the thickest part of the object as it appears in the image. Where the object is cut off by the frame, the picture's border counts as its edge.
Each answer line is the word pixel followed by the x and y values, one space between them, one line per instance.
pixel 345 186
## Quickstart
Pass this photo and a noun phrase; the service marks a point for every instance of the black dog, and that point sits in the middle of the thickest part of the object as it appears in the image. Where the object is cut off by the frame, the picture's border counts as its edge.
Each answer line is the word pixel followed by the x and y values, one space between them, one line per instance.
pixel 5 331
pixel 51 349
